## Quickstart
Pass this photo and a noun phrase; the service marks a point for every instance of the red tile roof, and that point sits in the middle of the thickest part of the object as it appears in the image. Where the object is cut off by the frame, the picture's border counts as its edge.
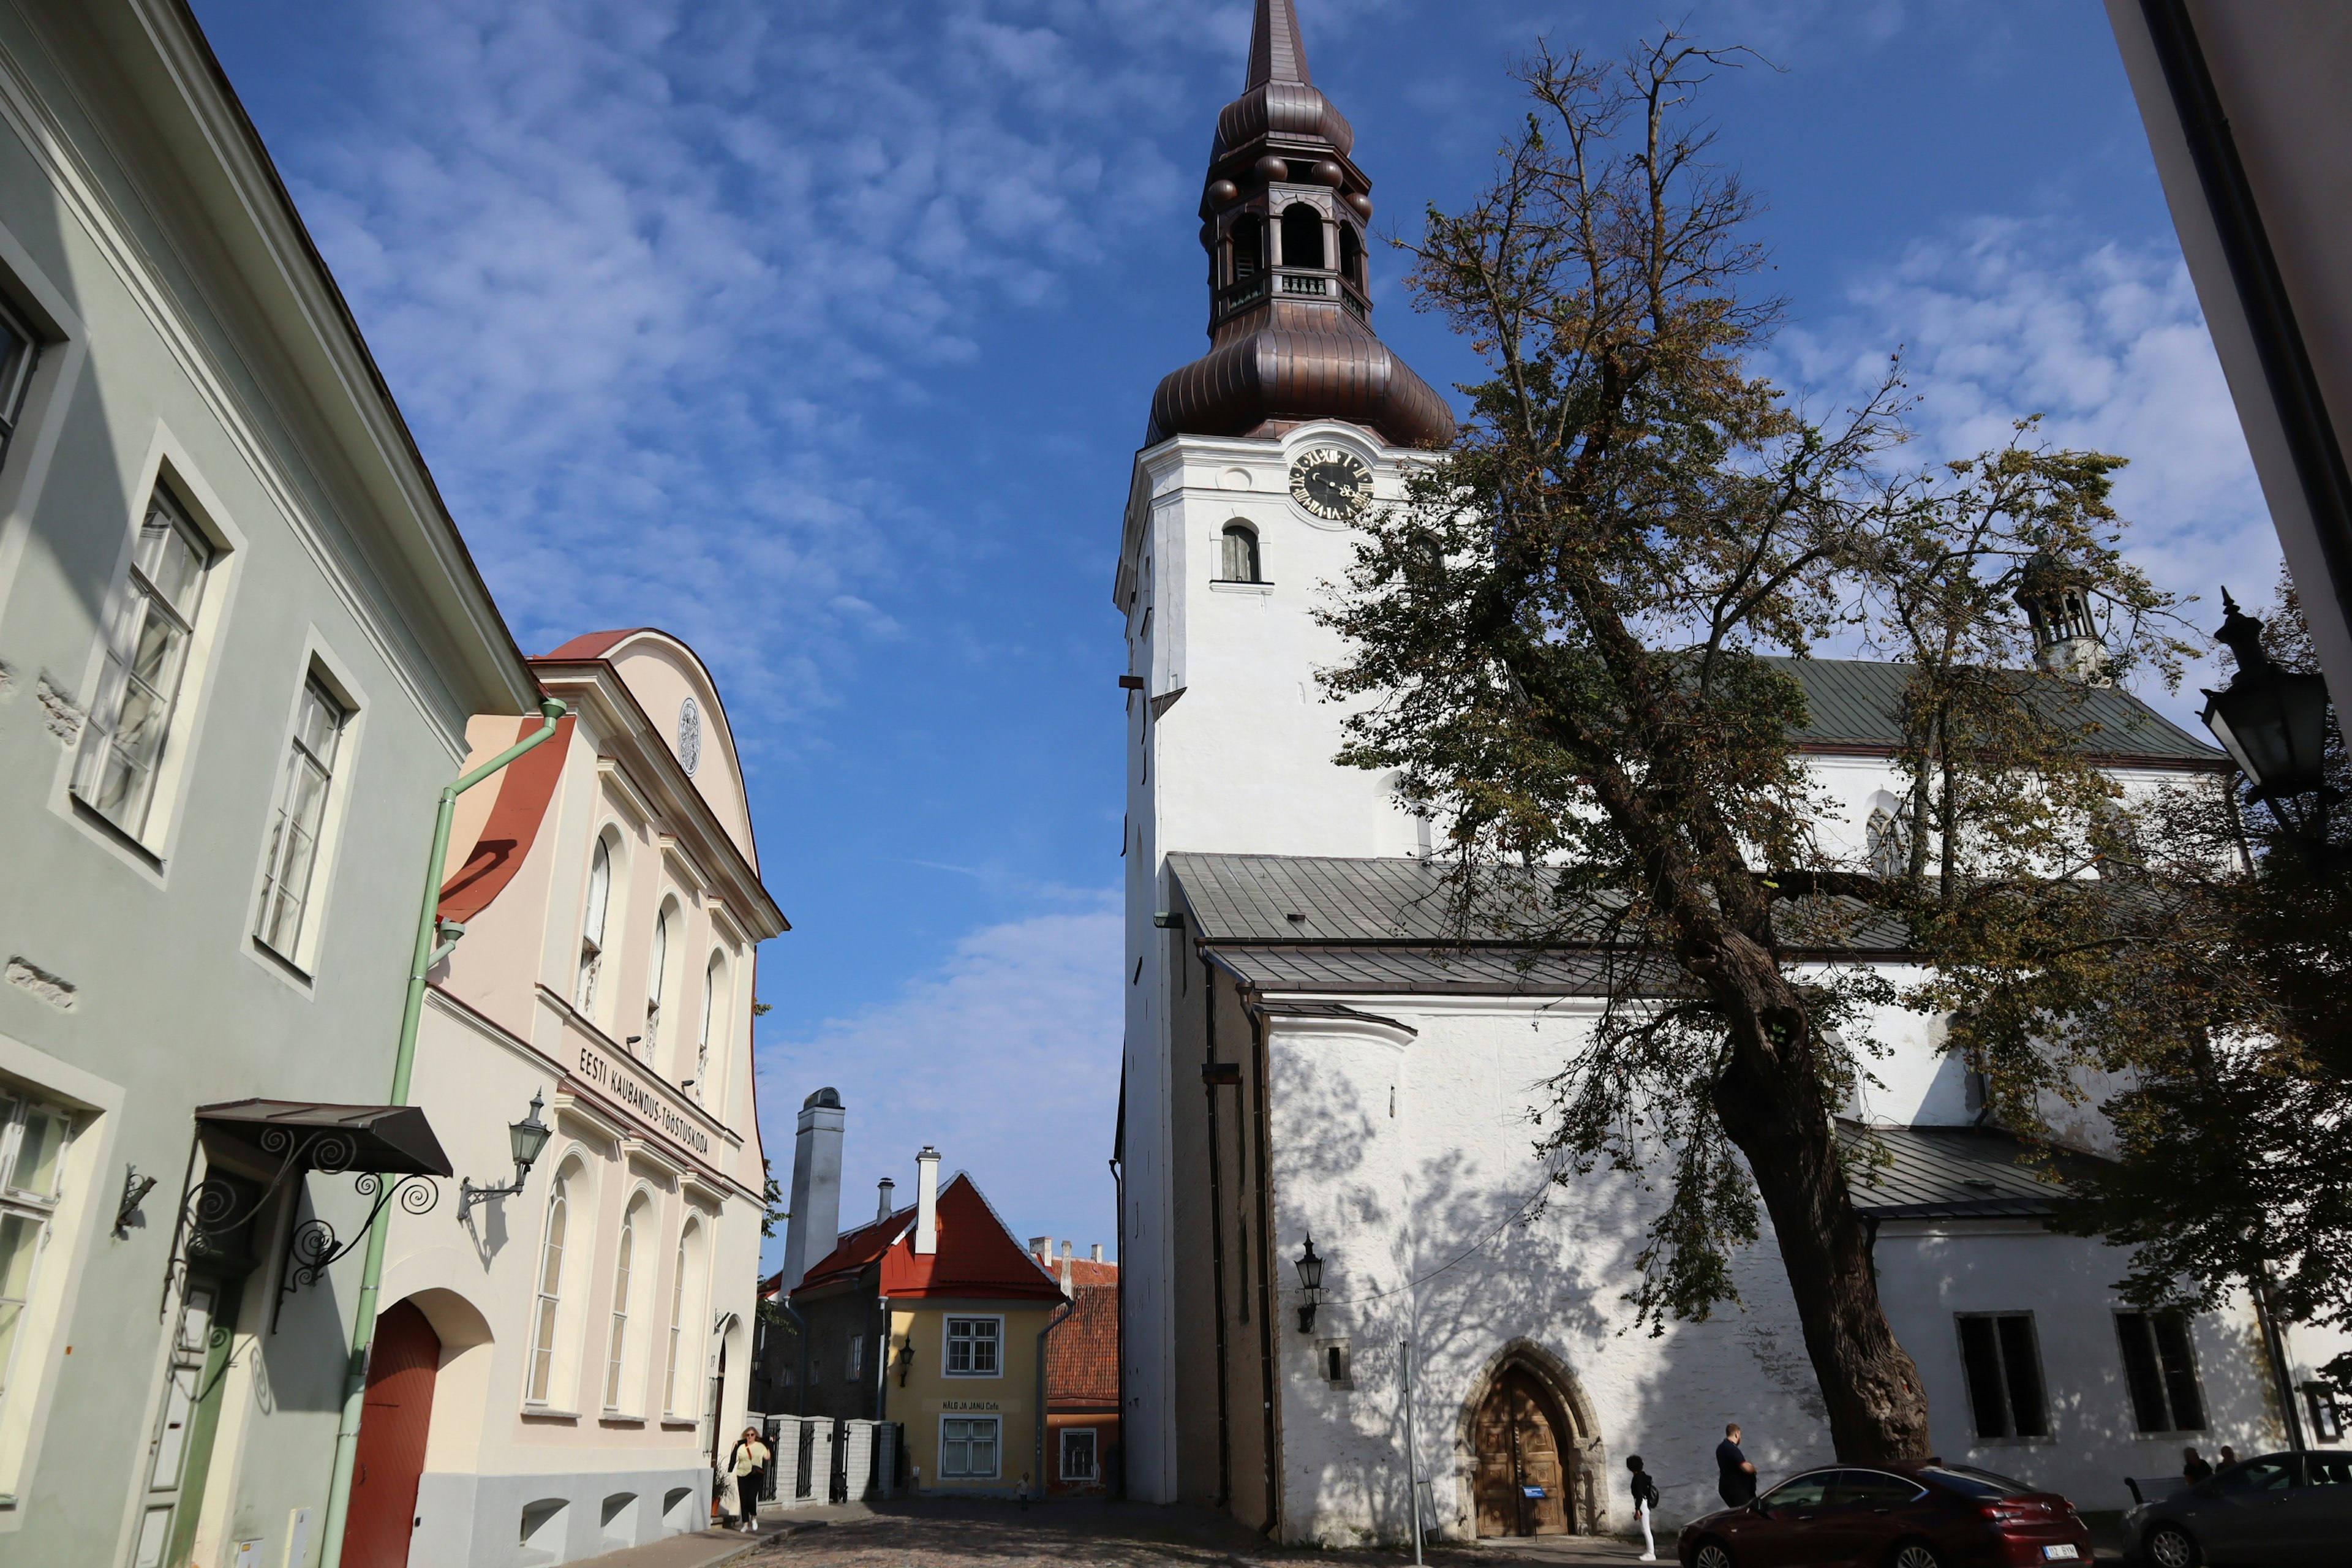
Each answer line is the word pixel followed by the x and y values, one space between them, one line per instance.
pixel 976 1257
pixel 1082 1356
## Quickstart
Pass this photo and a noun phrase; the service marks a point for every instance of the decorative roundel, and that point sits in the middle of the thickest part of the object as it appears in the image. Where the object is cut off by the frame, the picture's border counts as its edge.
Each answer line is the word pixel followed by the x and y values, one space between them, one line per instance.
pixel 689 736
pixel 1330 482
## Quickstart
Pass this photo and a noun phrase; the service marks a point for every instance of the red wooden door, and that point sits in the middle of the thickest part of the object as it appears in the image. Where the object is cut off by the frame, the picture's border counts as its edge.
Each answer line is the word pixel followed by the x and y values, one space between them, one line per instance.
pixel 392 1425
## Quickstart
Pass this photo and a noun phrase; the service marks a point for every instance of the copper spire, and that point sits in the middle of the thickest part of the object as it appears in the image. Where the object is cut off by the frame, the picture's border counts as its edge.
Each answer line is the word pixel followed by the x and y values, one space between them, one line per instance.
pixel 1289 315
pixel 1277 53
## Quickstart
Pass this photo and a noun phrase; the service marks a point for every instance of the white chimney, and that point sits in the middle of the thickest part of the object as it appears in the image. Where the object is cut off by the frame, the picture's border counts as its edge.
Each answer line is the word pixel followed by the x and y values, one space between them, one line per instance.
pixel 1041 1247
pixel 1065 1268
pixel 927 1201
pixel 1097 1252
pixel 886 1187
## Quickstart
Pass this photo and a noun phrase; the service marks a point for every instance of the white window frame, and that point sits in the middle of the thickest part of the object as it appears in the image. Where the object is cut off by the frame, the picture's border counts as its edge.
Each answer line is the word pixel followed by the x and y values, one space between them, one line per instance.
pixel 687 1234
pixel 1093 1471
pixel 595 922
pixel 617 1347
pixel 2000 1373
pixel 302 760
pixel 2196 1371
pixel 995 1425
pixel 948 1337
pixel 17 368
pixel 657 977
pixel 137 600
pixel 36 1210
pixel 547 1316
pixel 710 1009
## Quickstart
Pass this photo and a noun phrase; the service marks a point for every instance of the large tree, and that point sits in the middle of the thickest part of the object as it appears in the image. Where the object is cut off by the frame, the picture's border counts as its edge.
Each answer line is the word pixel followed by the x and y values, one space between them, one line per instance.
pixel 1570 641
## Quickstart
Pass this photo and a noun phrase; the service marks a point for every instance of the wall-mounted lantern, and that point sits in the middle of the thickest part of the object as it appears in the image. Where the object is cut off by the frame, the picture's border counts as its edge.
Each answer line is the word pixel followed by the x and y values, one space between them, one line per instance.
pixel 2271 721
pixel 526 1138
pixel 1310 1282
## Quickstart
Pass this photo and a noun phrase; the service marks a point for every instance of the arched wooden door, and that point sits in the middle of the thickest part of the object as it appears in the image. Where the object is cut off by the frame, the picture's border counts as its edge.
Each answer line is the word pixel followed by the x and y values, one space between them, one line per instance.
pixel 1523 1460
pixel 393 1427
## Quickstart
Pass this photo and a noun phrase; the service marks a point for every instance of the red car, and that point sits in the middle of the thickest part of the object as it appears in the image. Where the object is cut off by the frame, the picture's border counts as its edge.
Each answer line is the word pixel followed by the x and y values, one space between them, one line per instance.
pixel 1892 1516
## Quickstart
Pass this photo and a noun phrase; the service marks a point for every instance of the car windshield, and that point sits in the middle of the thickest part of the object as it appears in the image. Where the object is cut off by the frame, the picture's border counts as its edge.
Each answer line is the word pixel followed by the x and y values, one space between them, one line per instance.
pixel 1969 1481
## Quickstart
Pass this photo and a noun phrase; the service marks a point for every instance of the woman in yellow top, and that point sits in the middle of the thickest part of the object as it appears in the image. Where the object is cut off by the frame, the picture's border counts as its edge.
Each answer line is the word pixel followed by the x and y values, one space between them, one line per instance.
pixel 748 1465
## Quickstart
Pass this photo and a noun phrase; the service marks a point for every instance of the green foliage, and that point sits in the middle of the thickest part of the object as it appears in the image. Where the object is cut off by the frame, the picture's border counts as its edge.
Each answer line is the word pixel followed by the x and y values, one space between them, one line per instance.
pixel 772 1199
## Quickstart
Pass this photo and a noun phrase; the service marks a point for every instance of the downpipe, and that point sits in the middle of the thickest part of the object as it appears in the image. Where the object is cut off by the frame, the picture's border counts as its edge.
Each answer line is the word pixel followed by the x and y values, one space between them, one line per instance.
pixel 1055 1321
pixel 428 951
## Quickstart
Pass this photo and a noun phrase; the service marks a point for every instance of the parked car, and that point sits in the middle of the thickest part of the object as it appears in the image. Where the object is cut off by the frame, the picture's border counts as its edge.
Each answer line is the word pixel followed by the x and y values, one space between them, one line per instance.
pixel 1892 1516
pixel 2273 1510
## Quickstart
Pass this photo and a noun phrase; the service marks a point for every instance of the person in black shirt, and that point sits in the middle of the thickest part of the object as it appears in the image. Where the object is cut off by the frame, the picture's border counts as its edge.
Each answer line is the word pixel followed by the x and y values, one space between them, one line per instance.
pixel 1735 1477
pixel 1645 1503
pixel 2195 1469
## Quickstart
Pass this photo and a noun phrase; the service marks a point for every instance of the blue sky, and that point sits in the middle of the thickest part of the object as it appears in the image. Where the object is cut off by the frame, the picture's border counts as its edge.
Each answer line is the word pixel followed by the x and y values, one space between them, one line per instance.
pixel 823 335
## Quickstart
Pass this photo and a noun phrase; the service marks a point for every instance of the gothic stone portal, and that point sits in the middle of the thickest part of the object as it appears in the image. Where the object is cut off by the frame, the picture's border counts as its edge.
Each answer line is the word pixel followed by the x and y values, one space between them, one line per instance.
pixel 1526 1457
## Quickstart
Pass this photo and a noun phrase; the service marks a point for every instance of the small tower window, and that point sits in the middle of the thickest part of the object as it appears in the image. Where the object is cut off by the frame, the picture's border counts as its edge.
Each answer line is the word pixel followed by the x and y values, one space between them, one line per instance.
pixel 1240 562
pixel 1249 249
pixel 1351 255
pixel 1302 236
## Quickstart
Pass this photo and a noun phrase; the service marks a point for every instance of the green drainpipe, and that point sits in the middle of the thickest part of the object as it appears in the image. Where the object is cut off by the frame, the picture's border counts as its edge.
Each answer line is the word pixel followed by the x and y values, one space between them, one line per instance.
pixel 427 953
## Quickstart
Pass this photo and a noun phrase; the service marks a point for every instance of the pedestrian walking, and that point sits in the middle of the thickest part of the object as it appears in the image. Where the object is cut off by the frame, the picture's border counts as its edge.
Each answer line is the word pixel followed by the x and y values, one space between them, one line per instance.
pixel 1645 1503
pixel 2194 1468
pixel 1734 1476
pixel 748 1463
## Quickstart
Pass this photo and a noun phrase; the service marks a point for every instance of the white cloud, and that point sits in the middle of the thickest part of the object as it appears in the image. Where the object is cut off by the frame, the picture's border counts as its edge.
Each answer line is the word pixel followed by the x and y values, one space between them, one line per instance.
pixel 660 284
pixel 1006 1058
pixel 2000 317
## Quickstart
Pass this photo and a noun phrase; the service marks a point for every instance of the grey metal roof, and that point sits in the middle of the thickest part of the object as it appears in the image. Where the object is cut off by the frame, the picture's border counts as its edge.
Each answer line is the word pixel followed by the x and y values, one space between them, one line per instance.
pixel 1410 971
pixel 1947 1172
pixel 1321 900
pixel 1858 702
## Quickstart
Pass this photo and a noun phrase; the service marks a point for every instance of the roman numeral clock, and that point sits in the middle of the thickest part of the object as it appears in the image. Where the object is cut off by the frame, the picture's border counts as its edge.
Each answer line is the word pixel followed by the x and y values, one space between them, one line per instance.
pixel 1331 482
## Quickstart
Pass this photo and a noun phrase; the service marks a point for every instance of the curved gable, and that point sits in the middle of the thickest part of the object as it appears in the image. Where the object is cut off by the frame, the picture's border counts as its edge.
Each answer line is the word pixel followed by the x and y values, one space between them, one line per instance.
pixel 662 672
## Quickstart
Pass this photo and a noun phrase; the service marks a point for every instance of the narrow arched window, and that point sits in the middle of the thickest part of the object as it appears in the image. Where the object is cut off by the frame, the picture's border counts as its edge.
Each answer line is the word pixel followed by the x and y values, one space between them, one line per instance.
pixel 677 1325
pixel 550 1292
pixel 1302 236
pixel 658 973
pixel 592 929
pixel 1886 842
pixel 702 1042
pixel 1351 255
pixel 1240 562
pixel 1249 249
pixel 618 1347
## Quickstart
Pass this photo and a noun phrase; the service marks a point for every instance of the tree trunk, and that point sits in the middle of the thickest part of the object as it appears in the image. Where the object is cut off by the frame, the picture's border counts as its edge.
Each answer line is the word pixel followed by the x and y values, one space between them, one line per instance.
pixel 1770 1101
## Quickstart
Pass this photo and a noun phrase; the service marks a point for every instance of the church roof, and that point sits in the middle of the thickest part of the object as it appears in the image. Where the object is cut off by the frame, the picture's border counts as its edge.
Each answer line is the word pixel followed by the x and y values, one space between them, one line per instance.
pixel 1856 704
pixel 1948 1173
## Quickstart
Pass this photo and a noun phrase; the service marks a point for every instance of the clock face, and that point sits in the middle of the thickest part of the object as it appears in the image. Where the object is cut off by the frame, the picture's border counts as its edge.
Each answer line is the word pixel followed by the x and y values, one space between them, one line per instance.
pixel 689 736
pixel 1330 483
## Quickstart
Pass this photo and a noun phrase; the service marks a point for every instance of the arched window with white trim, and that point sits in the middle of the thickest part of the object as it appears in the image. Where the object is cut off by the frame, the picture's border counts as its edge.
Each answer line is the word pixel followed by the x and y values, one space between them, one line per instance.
pixel 685 1351
pixel 1886 836
pixel 711 976
pixel 547 1314
pixel 656 973
pixel 618 1345
pixel 592 927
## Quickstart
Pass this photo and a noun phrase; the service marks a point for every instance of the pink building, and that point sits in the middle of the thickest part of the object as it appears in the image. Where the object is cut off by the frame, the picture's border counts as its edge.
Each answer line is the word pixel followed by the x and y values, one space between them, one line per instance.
pixel 555 1365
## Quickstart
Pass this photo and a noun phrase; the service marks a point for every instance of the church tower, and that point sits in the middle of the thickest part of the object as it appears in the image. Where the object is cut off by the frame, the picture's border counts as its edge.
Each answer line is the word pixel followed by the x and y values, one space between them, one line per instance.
pixel 1259 458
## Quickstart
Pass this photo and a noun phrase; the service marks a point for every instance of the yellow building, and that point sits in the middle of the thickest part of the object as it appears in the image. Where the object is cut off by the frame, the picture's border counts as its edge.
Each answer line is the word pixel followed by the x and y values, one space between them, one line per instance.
pixel 933 1316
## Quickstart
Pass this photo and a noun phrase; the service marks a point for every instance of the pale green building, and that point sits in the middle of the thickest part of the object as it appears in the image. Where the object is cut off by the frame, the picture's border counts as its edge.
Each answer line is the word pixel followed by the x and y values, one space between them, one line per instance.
pixel 240 641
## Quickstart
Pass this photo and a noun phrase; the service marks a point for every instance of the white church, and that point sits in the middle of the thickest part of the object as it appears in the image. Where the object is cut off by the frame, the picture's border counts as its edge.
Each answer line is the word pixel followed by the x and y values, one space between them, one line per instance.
pixel 1307 1053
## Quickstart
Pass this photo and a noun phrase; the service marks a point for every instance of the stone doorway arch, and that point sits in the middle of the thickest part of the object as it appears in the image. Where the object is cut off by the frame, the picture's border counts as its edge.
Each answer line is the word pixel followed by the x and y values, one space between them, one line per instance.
pixel 1534 1447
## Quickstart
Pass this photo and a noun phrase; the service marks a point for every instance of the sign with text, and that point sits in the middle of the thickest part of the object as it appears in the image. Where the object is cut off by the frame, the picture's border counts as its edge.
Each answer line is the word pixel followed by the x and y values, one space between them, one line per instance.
pixel 627 1086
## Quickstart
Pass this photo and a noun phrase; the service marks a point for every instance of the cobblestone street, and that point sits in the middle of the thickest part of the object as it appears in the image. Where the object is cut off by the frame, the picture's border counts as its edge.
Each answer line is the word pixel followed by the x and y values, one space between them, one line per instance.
pixel 930 1534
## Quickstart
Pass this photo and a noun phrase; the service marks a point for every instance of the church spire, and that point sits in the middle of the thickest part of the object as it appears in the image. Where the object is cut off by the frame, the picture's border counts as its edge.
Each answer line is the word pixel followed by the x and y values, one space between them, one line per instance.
pixel 1282 213
pixel 1277 52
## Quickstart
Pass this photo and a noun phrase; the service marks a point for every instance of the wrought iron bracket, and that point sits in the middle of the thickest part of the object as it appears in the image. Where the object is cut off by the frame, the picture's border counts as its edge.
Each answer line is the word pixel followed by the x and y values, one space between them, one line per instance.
pixel 135 1188
pixel 470 1195
pixel 212 1208
pixel 313 1248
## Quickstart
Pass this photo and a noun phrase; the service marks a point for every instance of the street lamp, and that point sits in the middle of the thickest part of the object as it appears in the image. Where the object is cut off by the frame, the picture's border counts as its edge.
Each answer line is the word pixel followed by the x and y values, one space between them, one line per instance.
pixel 1310 1280
pixel 2271 721
pixel 526 1139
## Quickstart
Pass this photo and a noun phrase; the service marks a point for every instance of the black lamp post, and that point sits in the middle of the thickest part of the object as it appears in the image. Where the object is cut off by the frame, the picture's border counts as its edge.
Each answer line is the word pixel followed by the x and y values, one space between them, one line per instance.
pixel 526 1138
pixel 1310 1280
pixel 2271 721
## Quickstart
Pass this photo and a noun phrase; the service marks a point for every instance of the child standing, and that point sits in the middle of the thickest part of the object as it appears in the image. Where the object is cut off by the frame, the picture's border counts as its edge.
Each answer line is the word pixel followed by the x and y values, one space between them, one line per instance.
pixel 1645 1503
